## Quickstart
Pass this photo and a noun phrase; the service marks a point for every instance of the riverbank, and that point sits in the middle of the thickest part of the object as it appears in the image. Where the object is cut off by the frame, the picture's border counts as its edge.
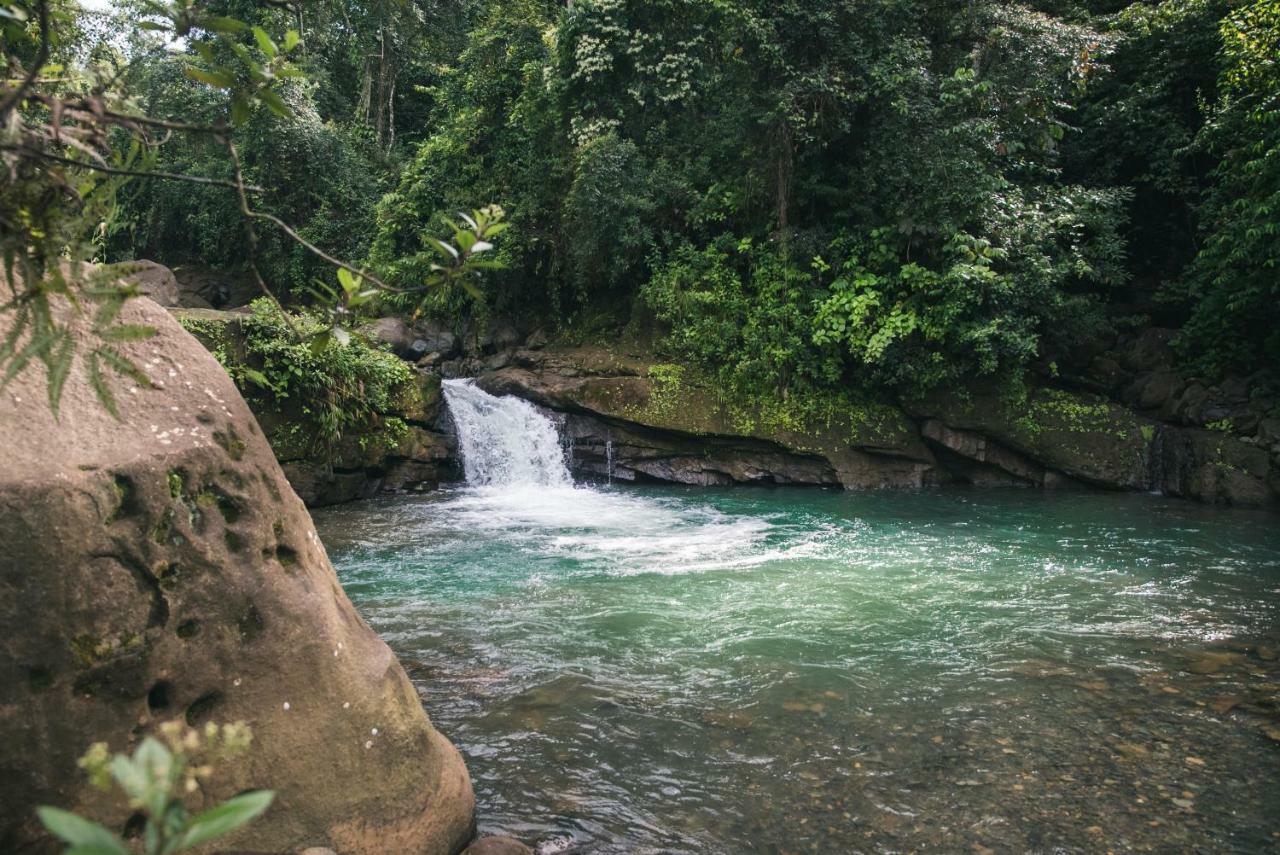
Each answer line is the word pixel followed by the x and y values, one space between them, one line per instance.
pixel 1125 421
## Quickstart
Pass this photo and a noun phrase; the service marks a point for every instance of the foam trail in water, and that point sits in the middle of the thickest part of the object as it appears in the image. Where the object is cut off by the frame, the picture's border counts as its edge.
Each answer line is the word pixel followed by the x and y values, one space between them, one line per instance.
pixel 520 490
pixel 504 441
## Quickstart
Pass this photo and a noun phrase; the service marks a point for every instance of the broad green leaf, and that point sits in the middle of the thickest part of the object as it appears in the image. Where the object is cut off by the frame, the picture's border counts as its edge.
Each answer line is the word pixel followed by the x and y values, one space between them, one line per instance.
pixel 226 817
pixel 275 103
pixel 256 377
pixel 264 42
pixel 79 831
pixel 222 24
pixel 443 248
pixel 95 849
pixel 239 109
pixel 219 79
pixel 291 40
pixel 128 774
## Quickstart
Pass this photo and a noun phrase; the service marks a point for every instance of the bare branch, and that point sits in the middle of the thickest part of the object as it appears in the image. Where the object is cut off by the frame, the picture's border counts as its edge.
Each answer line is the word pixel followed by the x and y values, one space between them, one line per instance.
pixel 111 170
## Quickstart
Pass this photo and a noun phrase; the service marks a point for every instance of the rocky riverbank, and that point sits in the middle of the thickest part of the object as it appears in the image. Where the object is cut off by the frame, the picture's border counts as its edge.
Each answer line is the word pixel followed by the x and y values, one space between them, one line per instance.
pixel 1121 418
pixel 634 419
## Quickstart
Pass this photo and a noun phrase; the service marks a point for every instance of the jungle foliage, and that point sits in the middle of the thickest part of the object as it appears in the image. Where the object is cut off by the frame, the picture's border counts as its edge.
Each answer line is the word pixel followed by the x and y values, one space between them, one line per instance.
pixel 881 193
pixel 876 194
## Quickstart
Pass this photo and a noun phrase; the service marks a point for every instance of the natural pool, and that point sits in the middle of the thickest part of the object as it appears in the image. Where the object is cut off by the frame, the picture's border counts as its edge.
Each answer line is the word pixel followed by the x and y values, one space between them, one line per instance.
pixel 652 669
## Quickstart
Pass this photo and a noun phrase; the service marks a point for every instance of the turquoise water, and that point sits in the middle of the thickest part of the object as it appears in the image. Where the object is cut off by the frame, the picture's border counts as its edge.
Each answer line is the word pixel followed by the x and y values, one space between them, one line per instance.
pixel 646 669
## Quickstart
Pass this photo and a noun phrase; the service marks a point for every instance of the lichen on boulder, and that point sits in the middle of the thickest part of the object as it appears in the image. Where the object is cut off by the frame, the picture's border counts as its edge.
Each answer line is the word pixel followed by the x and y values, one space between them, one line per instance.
pixel 160 567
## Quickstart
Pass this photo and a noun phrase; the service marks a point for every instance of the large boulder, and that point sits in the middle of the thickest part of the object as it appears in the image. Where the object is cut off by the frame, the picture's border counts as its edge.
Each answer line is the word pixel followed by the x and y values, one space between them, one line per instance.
pixel 151 279
pixel 206 288
pixel 159 567
pixel 1212 466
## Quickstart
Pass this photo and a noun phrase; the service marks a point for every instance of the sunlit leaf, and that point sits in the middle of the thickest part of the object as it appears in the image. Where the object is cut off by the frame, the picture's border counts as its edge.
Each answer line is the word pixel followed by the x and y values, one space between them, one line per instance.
pixel 218 79
pixel 275 103
pixel 226 817
pixel 265 44
pixel 78 831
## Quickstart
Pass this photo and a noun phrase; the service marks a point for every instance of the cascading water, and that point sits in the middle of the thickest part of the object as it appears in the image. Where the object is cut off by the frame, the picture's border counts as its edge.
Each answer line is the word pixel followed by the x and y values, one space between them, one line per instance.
pixel 504 441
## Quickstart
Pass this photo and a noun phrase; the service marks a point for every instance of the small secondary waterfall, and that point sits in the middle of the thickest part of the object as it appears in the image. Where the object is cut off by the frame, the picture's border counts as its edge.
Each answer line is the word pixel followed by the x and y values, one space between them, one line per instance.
pixel 504 441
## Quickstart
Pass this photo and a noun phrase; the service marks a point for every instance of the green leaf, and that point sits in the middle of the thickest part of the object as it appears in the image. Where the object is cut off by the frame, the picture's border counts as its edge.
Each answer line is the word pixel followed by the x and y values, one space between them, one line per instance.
pixel 239 109
pixel 447 251
pixel 226 817
pixel 219 79
pixel 291 40
pixel 264 42
pixel 320 343
pixel 128 774
pixel 125 367
pixel 152 25
pixel 78 831
pixel 256 377
pixel 221 24
pixel 95 849
pixel 38 346
pixel 275 103
pixel 59 363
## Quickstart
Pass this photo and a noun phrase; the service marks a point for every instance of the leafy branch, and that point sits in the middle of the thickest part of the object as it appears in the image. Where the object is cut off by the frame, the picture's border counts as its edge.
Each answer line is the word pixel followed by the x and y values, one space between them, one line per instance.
pixel 155 778
pixel 60 143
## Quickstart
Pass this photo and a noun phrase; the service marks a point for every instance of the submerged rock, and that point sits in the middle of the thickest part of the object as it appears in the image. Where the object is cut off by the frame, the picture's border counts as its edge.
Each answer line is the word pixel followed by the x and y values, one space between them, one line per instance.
pixel 160 567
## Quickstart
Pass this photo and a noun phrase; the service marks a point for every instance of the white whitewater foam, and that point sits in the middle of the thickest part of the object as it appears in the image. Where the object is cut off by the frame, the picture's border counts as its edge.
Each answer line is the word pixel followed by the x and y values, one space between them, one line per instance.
pixel 504 441
pixel 519 490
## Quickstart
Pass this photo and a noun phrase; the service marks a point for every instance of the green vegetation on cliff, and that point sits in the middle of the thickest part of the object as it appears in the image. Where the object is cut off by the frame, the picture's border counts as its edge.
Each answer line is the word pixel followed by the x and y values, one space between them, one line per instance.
pixel 800 198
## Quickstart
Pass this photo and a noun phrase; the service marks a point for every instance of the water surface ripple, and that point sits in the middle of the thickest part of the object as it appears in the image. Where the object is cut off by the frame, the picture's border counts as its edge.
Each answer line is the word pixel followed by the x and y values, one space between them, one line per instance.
pixel 652 669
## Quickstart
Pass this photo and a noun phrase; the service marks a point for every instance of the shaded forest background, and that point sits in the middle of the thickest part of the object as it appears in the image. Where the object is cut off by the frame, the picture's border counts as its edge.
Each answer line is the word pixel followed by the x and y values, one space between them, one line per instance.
pixel 798 195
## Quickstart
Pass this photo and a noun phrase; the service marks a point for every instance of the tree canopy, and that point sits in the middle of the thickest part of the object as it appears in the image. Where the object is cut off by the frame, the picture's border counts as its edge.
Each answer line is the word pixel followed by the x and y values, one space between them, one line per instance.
pixel 883 194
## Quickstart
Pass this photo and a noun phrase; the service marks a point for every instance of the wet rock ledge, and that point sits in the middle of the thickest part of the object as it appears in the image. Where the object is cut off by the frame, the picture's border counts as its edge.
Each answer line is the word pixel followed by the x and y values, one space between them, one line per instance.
pixel 632 418
pixel 160 567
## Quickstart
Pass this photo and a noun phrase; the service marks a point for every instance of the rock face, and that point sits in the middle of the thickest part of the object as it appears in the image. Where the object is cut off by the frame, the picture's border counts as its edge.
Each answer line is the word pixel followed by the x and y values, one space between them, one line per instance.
pixel 160 567
pixel 151 279
pixel 641 421
pixel 361 466
pixel 631 419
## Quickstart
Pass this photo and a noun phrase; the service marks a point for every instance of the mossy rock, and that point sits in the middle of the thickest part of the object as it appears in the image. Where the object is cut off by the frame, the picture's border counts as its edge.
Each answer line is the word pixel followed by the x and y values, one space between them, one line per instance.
pixel 1082 435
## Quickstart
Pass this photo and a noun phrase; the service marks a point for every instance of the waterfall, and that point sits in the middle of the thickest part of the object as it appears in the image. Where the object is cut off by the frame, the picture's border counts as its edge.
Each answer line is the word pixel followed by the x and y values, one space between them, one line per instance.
pixel 504 441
